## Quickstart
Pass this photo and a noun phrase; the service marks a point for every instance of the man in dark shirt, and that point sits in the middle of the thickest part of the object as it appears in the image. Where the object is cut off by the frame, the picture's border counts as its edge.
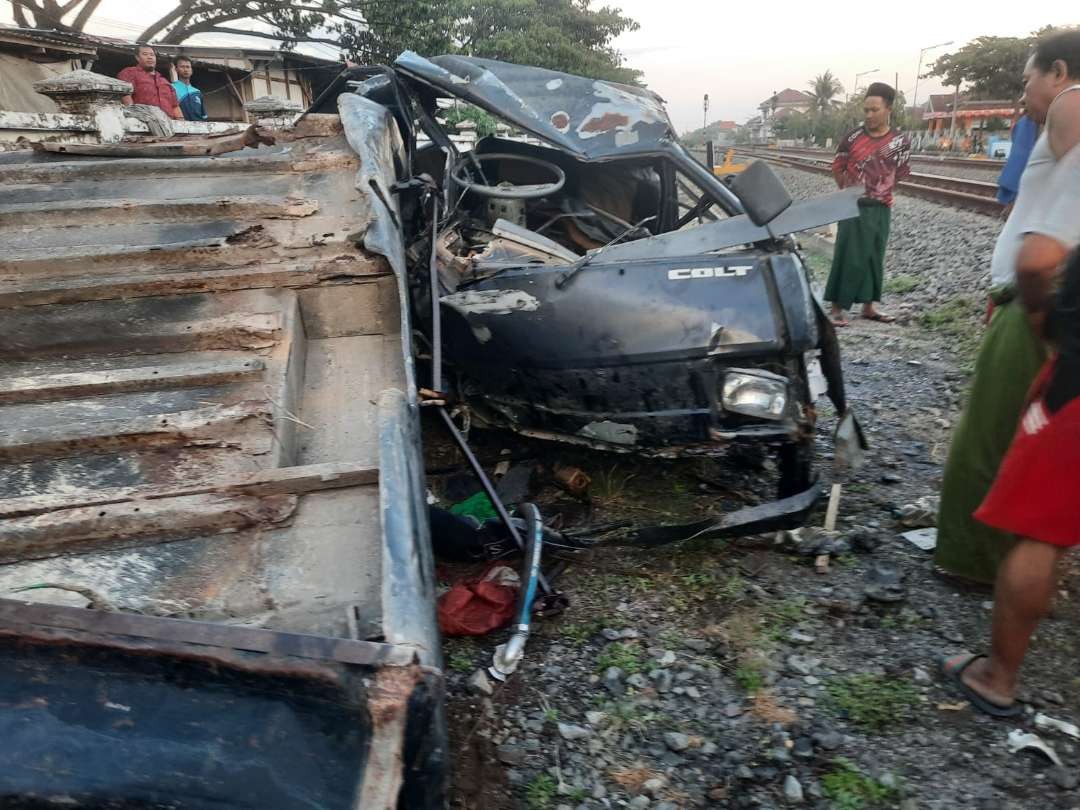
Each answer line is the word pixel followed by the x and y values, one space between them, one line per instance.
pixel 149 86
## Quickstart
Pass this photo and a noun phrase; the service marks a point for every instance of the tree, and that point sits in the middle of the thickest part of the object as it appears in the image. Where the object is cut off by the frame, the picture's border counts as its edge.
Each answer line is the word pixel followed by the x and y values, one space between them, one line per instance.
pixel 53 14
pixel 988 67
pixel 823 89
pixel 567 35
pixel 794 126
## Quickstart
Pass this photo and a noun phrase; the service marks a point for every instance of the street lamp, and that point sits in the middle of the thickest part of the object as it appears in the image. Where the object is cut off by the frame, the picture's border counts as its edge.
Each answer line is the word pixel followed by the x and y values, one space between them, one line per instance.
pixel 918 70
pixel 855 88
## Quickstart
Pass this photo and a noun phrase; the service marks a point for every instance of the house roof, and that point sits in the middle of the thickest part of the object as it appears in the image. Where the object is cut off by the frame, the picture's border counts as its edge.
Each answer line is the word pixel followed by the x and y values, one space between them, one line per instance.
pixel 939 101
pixel 972 108
pixel 726 125
pixel 71 42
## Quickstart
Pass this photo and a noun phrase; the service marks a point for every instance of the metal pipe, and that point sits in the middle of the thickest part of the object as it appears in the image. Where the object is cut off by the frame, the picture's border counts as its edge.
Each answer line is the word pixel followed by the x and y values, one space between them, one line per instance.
pixel 485 482
pixel 436 313
pixel 508 655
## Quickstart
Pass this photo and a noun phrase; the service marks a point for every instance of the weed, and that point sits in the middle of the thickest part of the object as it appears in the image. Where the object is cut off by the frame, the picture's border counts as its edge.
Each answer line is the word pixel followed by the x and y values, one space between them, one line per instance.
pixel 577 795
pixel 872 701
pixel 702 586
pixel 610 485
pixel 901 284
pixel 850 789
pixel 633 717
pixel 626 657
pixel 460 661
pixel 749 677
pixel 697 582
pixel 780 617
pixel 581 632
pixel 540 791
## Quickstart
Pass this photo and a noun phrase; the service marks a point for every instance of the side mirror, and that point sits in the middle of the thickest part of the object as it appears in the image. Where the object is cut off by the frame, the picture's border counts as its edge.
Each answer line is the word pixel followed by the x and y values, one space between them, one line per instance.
pixel 761 192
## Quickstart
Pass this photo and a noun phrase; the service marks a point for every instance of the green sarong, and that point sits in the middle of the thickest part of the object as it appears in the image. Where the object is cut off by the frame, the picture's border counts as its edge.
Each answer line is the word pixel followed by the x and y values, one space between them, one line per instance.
pixel 1009 359
pixel 858 265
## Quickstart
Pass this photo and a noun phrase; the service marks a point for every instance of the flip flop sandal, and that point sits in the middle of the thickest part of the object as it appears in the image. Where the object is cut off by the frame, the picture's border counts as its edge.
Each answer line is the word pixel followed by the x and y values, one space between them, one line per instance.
pixel 955 676
pixel 840 324
pixel 880 317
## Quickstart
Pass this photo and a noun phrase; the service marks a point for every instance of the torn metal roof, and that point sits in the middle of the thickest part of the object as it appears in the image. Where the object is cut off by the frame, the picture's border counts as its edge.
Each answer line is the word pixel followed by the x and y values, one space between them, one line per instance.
pixel 590 118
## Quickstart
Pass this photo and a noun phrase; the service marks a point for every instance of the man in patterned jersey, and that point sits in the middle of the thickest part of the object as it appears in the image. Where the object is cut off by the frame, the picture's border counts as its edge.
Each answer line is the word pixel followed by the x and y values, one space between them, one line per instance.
pixel 874 156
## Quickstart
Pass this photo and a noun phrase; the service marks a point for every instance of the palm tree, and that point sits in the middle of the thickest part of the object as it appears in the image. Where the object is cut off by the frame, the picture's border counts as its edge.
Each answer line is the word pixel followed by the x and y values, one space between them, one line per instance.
pixel 823 89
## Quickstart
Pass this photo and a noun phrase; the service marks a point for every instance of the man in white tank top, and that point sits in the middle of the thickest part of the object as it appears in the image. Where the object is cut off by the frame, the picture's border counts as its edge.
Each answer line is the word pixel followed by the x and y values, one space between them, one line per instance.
pixel 1029 256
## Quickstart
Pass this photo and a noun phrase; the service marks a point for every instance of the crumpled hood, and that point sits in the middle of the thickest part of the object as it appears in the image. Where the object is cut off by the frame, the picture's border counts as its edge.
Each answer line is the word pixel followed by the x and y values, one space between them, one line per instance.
pixel 589 118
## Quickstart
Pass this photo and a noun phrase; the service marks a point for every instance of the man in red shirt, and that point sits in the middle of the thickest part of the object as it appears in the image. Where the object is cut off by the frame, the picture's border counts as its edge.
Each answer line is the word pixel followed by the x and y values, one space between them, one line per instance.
pixel 150 87
pixel 874 156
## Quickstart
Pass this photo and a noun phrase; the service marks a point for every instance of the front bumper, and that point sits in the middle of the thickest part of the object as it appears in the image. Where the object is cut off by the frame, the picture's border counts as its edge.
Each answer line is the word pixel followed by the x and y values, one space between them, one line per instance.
pixel 785 513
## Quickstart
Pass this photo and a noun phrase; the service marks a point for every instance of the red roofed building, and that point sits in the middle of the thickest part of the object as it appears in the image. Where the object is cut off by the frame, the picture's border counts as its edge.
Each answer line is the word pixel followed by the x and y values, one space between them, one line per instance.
pixel 972 115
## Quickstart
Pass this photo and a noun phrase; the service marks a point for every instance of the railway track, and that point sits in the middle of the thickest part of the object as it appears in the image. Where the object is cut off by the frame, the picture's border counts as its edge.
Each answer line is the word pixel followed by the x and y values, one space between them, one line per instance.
pixel 932 160
pixel 973 195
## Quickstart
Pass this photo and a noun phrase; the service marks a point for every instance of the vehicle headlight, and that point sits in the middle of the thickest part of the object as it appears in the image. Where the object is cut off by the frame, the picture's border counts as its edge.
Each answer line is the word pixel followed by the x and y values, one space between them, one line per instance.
pixel 755 393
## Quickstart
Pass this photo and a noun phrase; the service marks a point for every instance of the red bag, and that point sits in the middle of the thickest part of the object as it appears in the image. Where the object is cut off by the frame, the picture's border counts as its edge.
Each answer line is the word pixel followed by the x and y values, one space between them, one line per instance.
pixel 478 606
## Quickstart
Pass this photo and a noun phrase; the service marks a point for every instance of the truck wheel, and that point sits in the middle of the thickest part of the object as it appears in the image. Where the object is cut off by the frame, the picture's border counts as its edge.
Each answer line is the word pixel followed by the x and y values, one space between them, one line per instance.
pixel 796 462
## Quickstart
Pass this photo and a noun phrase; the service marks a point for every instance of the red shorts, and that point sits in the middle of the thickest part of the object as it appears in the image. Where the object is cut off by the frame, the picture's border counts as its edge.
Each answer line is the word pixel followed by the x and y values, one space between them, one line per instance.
pixel 1037 490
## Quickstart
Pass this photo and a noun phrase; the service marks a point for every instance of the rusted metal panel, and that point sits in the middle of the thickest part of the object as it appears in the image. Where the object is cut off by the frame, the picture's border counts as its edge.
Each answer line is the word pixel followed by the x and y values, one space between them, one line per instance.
pixel 191 349
pixel 590 118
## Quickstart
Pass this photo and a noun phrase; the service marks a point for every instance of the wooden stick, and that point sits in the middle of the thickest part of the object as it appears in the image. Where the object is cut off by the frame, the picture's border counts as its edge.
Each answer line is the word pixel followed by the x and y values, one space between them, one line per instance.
pixel 833 508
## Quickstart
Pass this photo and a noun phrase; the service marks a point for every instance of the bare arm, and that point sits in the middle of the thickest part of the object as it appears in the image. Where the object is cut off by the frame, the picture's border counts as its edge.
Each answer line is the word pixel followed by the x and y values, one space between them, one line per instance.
pixel 127 101
pixel 1041 259
pixel 1042 256
pixel 1063 124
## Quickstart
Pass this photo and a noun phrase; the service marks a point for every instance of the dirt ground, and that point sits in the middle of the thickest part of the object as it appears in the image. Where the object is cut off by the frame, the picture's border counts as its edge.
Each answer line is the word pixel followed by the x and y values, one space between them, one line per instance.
pixel 735 674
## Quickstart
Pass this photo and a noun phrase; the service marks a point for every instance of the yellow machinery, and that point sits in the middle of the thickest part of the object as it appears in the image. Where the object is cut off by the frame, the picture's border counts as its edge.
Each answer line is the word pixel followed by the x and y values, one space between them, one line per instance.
pixel 729 166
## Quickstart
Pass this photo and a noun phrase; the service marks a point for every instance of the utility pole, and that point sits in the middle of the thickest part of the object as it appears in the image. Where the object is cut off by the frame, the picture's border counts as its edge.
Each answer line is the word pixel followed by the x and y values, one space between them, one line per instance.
pixel 918 70
pixel 855 87
pixel 952 124
pixel 705 119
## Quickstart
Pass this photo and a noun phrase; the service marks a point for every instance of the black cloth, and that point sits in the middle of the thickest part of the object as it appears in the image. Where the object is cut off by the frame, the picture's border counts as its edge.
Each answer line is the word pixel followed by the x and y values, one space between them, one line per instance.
pixel 1064 330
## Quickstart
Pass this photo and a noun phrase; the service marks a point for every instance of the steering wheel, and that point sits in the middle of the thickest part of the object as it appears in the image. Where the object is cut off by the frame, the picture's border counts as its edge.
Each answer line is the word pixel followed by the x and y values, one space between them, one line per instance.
pixel 509 192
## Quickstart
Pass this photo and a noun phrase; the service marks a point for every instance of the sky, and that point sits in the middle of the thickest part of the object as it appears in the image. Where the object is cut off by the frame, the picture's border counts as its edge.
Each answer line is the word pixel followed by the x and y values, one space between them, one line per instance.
pixel 688 48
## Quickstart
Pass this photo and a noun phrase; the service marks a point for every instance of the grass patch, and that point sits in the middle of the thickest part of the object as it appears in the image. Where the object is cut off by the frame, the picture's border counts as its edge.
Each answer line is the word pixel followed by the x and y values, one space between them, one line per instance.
pixel 460 661
pixel 781 616
pixel 540 792
pixel 872 701
pixel 579 633
pixel 577 795
pixel 952 318
pixel 634 717
pixel 901 284
pixel 626 657
pixel 818 266
pixel 958 320
pixel 848 788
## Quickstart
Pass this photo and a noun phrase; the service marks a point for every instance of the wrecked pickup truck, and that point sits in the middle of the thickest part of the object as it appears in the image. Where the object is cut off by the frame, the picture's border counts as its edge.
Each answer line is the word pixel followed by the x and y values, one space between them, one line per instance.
pixel 598 285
